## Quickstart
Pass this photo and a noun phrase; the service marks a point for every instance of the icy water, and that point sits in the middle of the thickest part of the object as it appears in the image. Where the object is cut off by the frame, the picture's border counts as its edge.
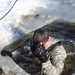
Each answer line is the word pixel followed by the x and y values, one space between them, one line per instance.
pixel 21 19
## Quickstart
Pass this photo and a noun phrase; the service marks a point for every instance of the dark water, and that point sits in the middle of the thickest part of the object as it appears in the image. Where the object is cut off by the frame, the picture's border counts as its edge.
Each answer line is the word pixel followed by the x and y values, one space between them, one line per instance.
pixel 62 30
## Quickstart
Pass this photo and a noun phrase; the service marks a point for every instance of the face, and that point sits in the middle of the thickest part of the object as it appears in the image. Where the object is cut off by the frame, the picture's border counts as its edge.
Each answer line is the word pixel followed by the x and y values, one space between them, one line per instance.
pixel 45 43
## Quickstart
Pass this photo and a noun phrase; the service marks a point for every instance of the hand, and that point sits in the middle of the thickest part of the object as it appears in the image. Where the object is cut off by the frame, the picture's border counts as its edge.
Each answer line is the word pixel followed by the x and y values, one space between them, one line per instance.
pixel 6 53
pixel 27 48
pixel 40 52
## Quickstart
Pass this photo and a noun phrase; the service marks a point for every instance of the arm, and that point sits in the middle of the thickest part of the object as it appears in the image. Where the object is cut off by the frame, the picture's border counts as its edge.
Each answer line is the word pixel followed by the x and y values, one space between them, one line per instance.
pixel 56 65
pixel 48 68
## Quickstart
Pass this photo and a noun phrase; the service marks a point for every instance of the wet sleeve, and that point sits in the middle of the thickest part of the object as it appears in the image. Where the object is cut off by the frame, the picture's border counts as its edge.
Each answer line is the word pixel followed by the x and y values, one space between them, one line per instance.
pixel 48 68
pixel 56 65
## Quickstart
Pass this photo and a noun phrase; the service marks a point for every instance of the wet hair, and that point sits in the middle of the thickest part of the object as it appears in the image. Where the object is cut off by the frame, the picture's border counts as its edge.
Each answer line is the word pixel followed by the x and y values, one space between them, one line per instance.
pixel 40 35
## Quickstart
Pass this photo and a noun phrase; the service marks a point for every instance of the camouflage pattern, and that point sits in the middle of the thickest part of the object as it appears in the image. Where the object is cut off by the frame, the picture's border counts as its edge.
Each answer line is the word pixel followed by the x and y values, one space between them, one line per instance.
pixel 55 65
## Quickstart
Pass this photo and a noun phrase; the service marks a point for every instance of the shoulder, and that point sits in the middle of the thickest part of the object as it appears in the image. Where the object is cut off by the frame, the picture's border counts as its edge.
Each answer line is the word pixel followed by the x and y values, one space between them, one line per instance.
pixel 59 48
pixel 59 53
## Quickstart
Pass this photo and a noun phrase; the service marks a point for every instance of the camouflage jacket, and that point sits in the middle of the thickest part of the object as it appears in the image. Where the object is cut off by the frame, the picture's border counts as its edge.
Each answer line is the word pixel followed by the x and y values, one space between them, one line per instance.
pixel 56 63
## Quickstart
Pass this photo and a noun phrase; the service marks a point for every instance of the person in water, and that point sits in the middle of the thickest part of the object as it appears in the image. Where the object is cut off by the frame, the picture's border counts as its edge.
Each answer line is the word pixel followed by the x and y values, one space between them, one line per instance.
pixel 52 62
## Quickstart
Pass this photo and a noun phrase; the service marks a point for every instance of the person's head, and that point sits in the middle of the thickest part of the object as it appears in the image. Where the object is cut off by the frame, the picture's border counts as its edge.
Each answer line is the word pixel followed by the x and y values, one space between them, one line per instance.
pixel 40 36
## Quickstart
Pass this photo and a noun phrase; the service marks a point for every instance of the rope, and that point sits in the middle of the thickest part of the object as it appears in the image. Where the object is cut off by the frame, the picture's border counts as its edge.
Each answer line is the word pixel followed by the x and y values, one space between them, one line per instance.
pixel 8 10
